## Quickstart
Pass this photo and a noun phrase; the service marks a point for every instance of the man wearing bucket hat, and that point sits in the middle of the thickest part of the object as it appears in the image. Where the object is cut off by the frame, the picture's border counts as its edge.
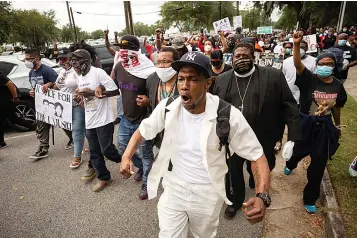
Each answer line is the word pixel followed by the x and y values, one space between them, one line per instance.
pixel 191 159
pixel 98 114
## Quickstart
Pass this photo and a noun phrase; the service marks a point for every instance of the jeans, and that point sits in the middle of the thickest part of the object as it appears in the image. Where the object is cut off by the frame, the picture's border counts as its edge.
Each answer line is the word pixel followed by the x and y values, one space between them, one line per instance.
pixel 43 134
pixel 120 107
pixel 100 142
pixel 185 205
pixel 78 130
pixel 143 160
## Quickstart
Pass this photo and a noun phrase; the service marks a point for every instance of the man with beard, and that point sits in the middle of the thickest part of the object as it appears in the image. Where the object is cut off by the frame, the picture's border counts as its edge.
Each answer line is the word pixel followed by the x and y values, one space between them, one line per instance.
pixel 265 100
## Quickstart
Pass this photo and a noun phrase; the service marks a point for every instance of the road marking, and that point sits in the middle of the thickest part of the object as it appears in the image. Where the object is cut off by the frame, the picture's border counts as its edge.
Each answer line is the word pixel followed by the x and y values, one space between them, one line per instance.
pixel 15 137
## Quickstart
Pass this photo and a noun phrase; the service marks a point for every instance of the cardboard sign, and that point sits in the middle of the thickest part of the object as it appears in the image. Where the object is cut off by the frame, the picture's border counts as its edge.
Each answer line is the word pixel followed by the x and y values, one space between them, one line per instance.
pixel 311 43
pixel 54 107
pixel 237 22
pixel 269 60
pixel 222 25
pixel 263 30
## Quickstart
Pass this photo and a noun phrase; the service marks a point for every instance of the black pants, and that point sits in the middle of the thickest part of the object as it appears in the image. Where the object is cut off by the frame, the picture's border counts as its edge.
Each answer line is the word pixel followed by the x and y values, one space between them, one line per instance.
pixel 315 172
pixel 235 167
pixel 100 142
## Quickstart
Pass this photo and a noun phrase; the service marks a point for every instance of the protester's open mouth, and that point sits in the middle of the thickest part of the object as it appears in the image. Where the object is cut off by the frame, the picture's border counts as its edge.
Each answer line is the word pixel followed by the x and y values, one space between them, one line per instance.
pixel 185 99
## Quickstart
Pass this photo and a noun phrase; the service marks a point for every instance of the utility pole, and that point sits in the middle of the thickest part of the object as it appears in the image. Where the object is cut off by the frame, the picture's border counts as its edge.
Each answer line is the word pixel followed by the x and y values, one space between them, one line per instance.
pixel 74 27
pixel 341 16
pixel 220 10
pixel 70 20
pixel 126 15
pixel 237 8
pixel 130 16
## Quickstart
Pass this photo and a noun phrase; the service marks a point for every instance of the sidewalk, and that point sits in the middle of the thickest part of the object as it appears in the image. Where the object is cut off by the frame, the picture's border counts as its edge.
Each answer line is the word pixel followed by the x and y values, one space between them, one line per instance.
pixel 287 217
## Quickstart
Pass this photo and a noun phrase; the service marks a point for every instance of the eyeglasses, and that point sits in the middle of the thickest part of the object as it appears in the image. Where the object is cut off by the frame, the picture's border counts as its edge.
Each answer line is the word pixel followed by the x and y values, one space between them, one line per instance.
pixel 330 64
pixel 163 62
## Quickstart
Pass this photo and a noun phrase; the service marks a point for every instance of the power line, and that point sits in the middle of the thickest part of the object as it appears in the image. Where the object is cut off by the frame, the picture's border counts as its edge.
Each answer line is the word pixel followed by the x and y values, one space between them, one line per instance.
pixel 121 15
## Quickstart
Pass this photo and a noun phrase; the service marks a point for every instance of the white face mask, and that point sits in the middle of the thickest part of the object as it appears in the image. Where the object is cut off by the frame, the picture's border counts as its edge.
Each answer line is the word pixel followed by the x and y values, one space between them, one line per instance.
pixel 208 48
pixel 29 64
pixel 165 74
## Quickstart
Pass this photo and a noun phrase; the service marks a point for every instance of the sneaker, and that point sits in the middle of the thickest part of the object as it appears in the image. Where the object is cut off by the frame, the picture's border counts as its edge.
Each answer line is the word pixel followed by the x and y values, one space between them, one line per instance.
pixel 101 185
pixel 3 145
pixel 39 154
pixel 310 209
pixel 143 192
pixel 230 212
pixel 353 168
pixel 88 175
pixel 75 163
pixel 287 171
pixel 69 145
pixel 139 176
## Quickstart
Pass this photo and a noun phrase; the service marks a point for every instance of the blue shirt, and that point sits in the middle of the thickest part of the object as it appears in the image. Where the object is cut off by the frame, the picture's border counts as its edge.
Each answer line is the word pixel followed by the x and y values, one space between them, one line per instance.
pixel 42 76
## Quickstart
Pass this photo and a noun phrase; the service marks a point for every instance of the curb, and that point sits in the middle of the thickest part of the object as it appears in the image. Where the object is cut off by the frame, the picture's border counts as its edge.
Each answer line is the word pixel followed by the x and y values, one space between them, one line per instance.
pixel 334 226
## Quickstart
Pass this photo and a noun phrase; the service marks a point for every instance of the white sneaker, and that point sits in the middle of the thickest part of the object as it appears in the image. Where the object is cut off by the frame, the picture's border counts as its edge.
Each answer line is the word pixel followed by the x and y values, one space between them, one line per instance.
pixel 353 168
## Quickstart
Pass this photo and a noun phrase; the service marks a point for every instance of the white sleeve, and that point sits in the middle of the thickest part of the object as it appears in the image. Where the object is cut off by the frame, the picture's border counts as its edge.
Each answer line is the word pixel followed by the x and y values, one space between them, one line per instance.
pixel 60 75
pixel 155 123
pixel 242 138
pixel 106 80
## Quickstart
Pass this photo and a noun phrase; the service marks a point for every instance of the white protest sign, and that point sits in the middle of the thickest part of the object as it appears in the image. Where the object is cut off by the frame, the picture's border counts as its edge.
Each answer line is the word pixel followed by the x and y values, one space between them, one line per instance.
pixel 54 107
pixel 222 25
pixel 237 22
pixel 311 43
pixel 263 30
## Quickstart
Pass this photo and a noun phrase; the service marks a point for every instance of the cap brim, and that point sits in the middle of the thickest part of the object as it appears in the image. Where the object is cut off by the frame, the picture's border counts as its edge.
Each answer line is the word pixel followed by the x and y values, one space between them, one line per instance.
pixel 177 65
pixel 178 46
pixel 74 54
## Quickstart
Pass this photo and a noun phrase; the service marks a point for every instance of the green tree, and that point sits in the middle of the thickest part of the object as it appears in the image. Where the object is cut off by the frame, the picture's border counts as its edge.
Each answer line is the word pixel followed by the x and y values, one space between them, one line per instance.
pixel 287 19
pixel 34 29
pixel 7 19
pixel 97 34
pixel 192 15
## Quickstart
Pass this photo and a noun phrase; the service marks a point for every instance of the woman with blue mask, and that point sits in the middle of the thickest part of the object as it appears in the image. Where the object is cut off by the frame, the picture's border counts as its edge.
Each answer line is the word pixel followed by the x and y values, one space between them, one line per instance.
pixel 321 97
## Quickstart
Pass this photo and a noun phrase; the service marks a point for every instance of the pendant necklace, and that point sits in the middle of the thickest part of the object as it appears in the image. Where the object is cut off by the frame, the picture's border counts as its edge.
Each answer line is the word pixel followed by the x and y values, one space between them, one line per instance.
pixel 241 108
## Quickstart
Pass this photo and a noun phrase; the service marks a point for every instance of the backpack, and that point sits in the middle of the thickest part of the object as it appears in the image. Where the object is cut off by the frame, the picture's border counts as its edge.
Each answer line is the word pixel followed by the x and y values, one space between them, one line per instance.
pixel 222 129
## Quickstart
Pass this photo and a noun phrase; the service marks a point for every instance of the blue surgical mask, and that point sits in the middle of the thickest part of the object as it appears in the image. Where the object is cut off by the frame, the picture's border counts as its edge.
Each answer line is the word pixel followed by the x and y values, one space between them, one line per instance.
pixel 342 42
pixel 324 71
pixel 288 51
pixel 302 52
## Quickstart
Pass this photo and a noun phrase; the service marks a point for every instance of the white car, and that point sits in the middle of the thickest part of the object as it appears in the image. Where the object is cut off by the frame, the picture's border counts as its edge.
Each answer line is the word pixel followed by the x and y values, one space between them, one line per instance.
pixel 24 117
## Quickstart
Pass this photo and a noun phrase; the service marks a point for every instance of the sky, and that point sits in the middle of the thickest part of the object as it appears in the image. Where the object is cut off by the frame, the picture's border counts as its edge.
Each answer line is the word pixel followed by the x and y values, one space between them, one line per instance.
pixel 103 12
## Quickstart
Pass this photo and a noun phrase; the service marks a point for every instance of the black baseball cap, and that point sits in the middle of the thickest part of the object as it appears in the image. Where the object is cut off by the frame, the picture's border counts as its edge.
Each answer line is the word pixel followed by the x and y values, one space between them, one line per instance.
pixel 196 59
pixel 80 53
pixel 63 52
pixel 129 42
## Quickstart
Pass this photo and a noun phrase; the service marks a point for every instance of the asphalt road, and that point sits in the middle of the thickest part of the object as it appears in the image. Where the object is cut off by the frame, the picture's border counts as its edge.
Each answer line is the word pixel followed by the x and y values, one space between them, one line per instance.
pixel 46 198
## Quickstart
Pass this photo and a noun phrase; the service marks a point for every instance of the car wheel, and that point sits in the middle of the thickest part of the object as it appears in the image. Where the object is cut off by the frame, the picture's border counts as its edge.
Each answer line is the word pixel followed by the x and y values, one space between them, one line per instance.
pixel 25 117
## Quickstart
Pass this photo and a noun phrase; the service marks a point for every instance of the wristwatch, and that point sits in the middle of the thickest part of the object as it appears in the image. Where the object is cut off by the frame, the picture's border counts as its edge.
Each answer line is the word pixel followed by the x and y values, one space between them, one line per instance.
pixel 266 198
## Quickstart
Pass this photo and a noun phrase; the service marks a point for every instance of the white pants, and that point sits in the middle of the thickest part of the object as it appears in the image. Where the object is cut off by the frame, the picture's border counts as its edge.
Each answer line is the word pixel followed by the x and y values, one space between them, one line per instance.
pixel 183 205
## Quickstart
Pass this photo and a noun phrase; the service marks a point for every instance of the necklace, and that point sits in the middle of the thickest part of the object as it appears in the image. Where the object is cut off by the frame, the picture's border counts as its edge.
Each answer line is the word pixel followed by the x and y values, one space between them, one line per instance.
pixel 241 108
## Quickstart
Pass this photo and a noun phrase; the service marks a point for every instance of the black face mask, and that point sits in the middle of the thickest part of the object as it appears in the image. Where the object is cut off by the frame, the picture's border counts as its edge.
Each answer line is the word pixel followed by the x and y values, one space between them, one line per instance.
pixel 231 44
pixel 243 65
pixel 217 64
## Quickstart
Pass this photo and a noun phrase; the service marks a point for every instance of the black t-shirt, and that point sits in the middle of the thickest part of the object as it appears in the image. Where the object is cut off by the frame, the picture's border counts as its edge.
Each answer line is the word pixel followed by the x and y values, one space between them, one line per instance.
pixel 329 42
pixel 130 87
pixel 349 54
pixel 225 69
pixel 5 94
pixel 316 95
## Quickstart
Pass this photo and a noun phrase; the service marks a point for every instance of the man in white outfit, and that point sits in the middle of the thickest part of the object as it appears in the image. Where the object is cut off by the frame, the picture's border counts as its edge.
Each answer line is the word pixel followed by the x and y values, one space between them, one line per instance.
pixel 190 161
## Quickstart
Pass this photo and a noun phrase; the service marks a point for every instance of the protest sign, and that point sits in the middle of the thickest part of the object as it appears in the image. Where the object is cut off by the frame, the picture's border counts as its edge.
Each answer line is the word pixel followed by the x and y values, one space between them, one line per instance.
pixel 311 43
pixel 269 60
pixel 265 30
pixel 237 22
pixel 54 107
pixel 222 25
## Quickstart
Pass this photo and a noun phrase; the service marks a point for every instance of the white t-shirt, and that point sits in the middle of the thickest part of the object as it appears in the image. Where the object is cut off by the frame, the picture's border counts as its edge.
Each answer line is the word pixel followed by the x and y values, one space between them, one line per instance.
pixel 67 80
pixel 278 48
pixel 289 71
pixel 98 112
pixel 188 162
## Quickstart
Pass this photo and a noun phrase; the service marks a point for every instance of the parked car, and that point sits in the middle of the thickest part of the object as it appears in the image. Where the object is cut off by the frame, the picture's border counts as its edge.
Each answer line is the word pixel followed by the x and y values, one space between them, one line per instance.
pixel 14 67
